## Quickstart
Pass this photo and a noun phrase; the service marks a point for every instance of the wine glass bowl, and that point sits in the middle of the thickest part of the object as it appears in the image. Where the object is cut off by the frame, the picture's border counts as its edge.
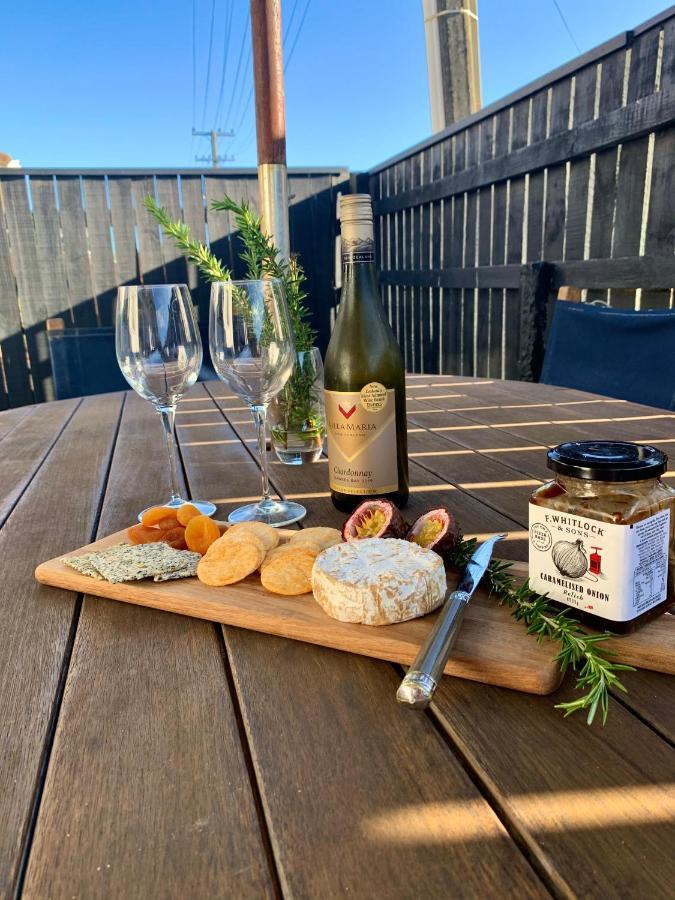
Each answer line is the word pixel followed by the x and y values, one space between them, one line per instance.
pixel 159 352
pixel 251 339
pixel 253 352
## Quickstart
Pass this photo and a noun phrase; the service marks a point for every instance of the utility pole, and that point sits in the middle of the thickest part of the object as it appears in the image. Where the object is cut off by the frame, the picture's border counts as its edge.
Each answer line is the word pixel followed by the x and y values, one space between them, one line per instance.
pixel 214 135
pixel 270 117
pixel 451 28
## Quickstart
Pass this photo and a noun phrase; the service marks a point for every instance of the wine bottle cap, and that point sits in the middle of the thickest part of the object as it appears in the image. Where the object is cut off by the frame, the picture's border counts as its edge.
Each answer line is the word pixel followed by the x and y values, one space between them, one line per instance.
pixel 356 208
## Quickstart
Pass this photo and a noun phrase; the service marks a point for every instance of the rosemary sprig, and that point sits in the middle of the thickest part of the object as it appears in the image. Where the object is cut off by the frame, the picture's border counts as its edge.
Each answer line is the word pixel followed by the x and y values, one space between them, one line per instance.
pixel 596 674
pixel 194 251
pixel 262 258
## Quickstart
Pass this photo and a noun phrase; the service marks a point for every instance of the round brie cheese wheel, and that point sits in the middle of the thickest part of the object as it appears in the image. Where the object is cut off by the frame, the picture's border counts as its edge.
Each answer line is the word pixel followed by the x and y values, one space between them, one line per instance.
pixel 378 581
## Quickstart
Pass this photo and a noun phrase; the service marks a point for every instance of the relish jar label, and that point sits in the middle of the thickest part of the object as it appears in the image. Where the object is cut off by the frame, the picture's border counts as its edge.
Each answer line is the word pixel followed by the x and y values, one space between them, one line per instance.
pixel 613 571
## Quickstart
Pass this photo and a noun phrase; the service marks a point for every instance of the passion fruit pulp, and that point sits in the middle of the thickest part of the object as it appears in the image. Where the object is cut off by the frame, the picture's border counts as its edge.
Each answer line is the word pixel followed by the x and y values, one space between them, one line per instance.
pixel 435 530
pixel 374 518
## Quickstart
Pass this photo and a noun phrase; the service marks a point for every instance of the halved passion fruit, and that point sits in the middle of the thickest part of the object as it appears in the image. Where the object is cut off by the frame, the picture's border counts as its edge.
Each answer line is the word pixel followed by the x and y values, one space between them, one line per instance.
pixel 374 519
pixel 436 530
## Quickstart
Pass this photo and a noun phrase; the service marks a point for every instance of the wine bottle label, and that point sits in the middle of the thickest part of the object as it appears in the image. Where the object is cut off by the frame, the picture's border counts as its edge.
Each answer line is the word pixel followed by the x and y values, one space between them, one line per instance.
pixel 613 571
pixel 362 440
pixel 358 244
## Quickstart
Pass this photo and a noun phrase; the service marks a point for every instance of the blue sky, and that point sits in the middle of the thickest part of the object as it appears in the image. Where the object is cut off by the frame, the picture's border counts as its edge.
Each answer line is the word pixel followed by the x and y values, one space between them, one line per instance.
pixel 111 84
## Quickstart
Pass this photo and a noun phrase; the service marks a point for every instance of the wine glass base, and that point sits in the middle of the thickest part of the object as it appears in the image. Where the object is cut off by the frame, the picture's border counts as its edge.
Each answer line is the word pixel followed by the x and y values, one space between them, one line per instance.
pixel 205 507
pixel 276 513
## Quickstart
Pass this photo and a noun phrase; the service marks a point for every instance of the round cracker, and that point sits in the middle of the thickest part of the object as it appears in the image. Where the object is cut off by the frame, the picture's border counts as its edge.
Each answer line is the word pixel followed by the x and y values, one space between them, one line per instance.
pixel 270 555
pixel 289 550
pixel 320 534
pixel 268 535
pixel 309 543
pixel 224 547
pixel 223 567
pixel 289 573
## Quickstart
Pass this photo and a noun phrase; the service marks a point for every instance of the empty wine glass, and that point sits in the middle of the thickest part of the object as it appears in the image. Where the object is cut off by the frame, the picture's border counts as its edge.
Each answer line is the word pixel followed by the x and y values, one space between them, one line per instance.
pixel 159 351
pixel 253 352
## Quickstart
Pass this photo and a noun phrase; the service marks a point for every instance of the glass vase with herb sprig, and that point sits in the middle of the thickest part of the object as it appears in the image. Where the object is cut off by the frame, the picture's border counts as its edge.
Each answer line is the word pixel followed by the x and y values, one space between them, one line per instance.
pixel 297 414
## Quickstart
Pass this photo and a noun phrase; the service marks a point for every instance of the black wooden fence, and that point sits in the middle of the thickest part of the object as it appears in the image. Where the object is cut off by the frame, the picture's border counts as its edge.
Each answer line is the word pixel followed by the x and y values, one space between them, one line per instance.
pixel 69 238
pixel 574 169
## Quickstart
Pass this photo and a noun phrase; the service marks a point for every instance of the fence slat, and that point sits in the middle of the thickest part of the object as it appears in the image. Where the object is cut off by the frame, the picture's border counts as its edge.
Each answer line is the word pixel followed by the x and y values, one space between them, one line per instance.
pixel 150 262
pixel 77 260
pixel 585 83
pixel 48 248
pixel 123 220
pixel 174 265
pixel 30 283
pixel 194 216
pixel 100 247
pixel 15 384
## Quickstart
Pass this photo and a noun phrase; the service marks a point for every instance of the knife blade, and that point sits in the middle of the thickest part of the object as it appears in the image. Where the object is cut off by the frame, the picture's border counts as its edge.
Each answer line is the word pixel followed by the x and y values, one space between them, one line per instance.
pixel 418 687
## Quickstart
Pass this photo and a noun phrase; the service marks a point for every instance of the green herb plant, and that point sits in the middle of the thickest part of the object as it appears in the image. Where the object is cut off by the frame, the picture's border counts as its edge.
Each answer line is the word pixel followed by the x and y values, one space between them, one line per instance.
pixel 596 673
pixel 298 407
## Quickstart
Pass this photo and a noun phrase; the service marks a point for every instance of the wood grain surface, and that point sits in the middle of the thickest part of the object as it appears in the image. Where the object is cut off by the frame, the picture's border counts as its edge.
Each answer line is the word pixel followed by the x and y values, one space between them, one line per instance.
pixel 335 757
pixel 491 647
pixel 148 754
pixel 147 792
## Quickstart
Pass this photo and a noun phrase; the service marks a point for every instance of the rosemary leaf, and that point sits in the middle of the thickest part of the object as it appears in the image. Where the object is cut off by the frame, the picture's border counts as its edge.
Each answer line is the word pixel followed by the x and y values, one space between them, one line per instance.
pixel 596 672
pixel 195 252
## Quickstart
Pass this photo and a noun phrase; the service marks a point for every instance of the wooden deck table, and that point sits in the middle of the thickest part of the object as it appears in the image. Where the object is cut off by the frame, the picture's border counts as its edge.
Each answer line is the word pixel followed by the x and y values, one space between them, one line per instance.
pixel 150 755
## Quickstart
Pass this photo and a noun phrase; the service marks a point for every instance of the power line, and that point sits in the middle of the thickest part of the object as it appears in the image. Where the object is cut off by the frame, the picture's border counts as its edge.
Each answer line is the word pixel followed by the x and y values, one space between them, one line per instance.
pixel 241 54
pixel 297 35
pixel 194 61
pixel 208 64
pixel 244 142
pixel 564 21
pixel 194 74
pixel 290 22
pixel 245 78
pixel 226 47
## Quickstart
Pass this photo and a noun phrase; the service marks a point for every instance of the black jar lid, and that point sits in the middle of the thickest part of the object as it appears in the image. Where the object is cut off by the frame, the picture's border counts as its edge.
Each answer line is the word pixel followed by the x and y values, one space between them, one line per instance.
pixel 607 460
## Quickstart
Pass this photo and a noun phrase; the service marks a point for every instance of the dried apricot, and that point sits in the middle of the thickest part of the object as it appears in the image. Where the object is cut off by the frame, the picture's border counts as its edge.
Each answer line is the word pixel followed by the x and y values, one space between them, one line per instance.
pixel 142 534
pixel 175 537
pixel 155 514
pixel 169 522
pixel 186 512
pixel 200 533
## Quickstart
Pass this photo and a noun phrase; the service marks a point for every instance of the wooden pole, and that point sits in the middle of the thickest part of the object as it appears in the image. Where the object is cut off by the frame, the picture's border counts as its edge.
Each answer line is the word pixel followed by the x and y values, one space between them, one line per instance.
pixel 270 115
pixel 451 28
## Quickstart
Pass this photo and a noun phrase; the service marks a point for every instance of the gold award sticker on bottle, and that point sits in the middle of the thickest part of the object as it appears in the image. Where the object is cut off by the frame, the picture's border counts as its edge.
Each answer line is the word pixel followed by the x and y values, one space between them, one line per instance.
pixel 373 396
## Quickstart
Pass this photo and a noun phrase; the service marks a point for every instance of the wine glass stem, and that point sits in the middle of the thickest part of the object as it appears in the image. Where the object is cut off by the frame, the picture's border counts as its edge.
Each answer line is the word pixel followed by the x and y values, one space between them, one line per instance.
pixel 260 419
pixel 168 416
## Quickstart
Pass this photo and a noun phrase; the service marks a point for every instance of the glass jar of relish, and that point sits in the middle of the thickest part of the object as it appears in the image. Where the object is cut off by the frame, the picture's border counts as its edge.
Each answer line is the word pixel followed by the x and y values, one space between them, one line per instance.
pixel 601 534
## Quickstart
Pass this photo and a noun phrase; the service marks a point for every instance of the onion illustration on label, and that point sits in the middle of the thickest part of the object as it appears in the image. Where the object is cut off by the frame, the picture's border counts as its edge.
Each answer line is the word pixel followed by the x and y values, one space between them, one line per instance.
pixel 570 558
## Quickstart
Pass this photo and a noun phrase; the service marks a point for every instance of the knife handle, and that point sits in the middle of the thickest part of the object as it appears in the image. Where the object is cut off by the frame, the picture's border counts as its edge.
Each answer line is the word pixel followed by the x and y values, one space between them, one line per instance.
pixel 419 684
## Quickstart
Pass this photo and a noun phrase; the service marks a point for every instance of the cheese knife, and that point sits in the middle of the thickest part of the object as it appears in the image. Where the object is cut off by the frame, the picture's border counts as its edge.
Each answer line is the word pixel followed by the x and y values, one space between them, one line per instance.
pixel 418 687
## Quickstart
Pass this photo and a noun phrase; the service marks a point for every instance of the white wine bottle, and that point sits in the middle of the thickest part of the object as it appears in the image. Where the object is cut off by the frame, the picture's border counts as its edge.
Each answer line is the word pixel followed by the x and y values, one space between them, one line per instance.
pixel 364 377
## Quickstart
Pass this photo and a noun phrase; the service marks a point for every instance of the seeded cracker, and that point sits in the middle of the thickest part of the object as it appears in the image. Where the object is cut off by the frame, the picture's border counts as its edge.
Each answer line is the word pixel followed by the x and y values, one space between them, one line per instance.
pixel 83 565
pixel 189 572
pixel 132 563
pixel 86 565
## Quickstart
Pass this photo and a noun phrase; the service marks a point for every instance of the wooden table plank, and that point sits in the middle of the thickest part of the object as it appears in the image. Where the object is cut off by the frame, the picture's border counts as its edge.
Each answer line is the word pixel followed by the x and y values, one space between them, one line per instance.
pixel 11 417
pixel 26 446
pixel 343 772
pixel 308 485
pixel 56 512
pixel 147 740
pixel 593 805
pixel 652 697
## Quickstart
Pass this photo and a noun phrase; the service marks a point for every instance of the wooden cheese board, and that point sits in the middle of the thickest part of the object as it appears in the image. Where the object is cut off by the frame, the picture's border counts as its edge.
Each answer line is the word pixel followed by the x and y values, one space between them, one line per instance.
pixel 491 648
